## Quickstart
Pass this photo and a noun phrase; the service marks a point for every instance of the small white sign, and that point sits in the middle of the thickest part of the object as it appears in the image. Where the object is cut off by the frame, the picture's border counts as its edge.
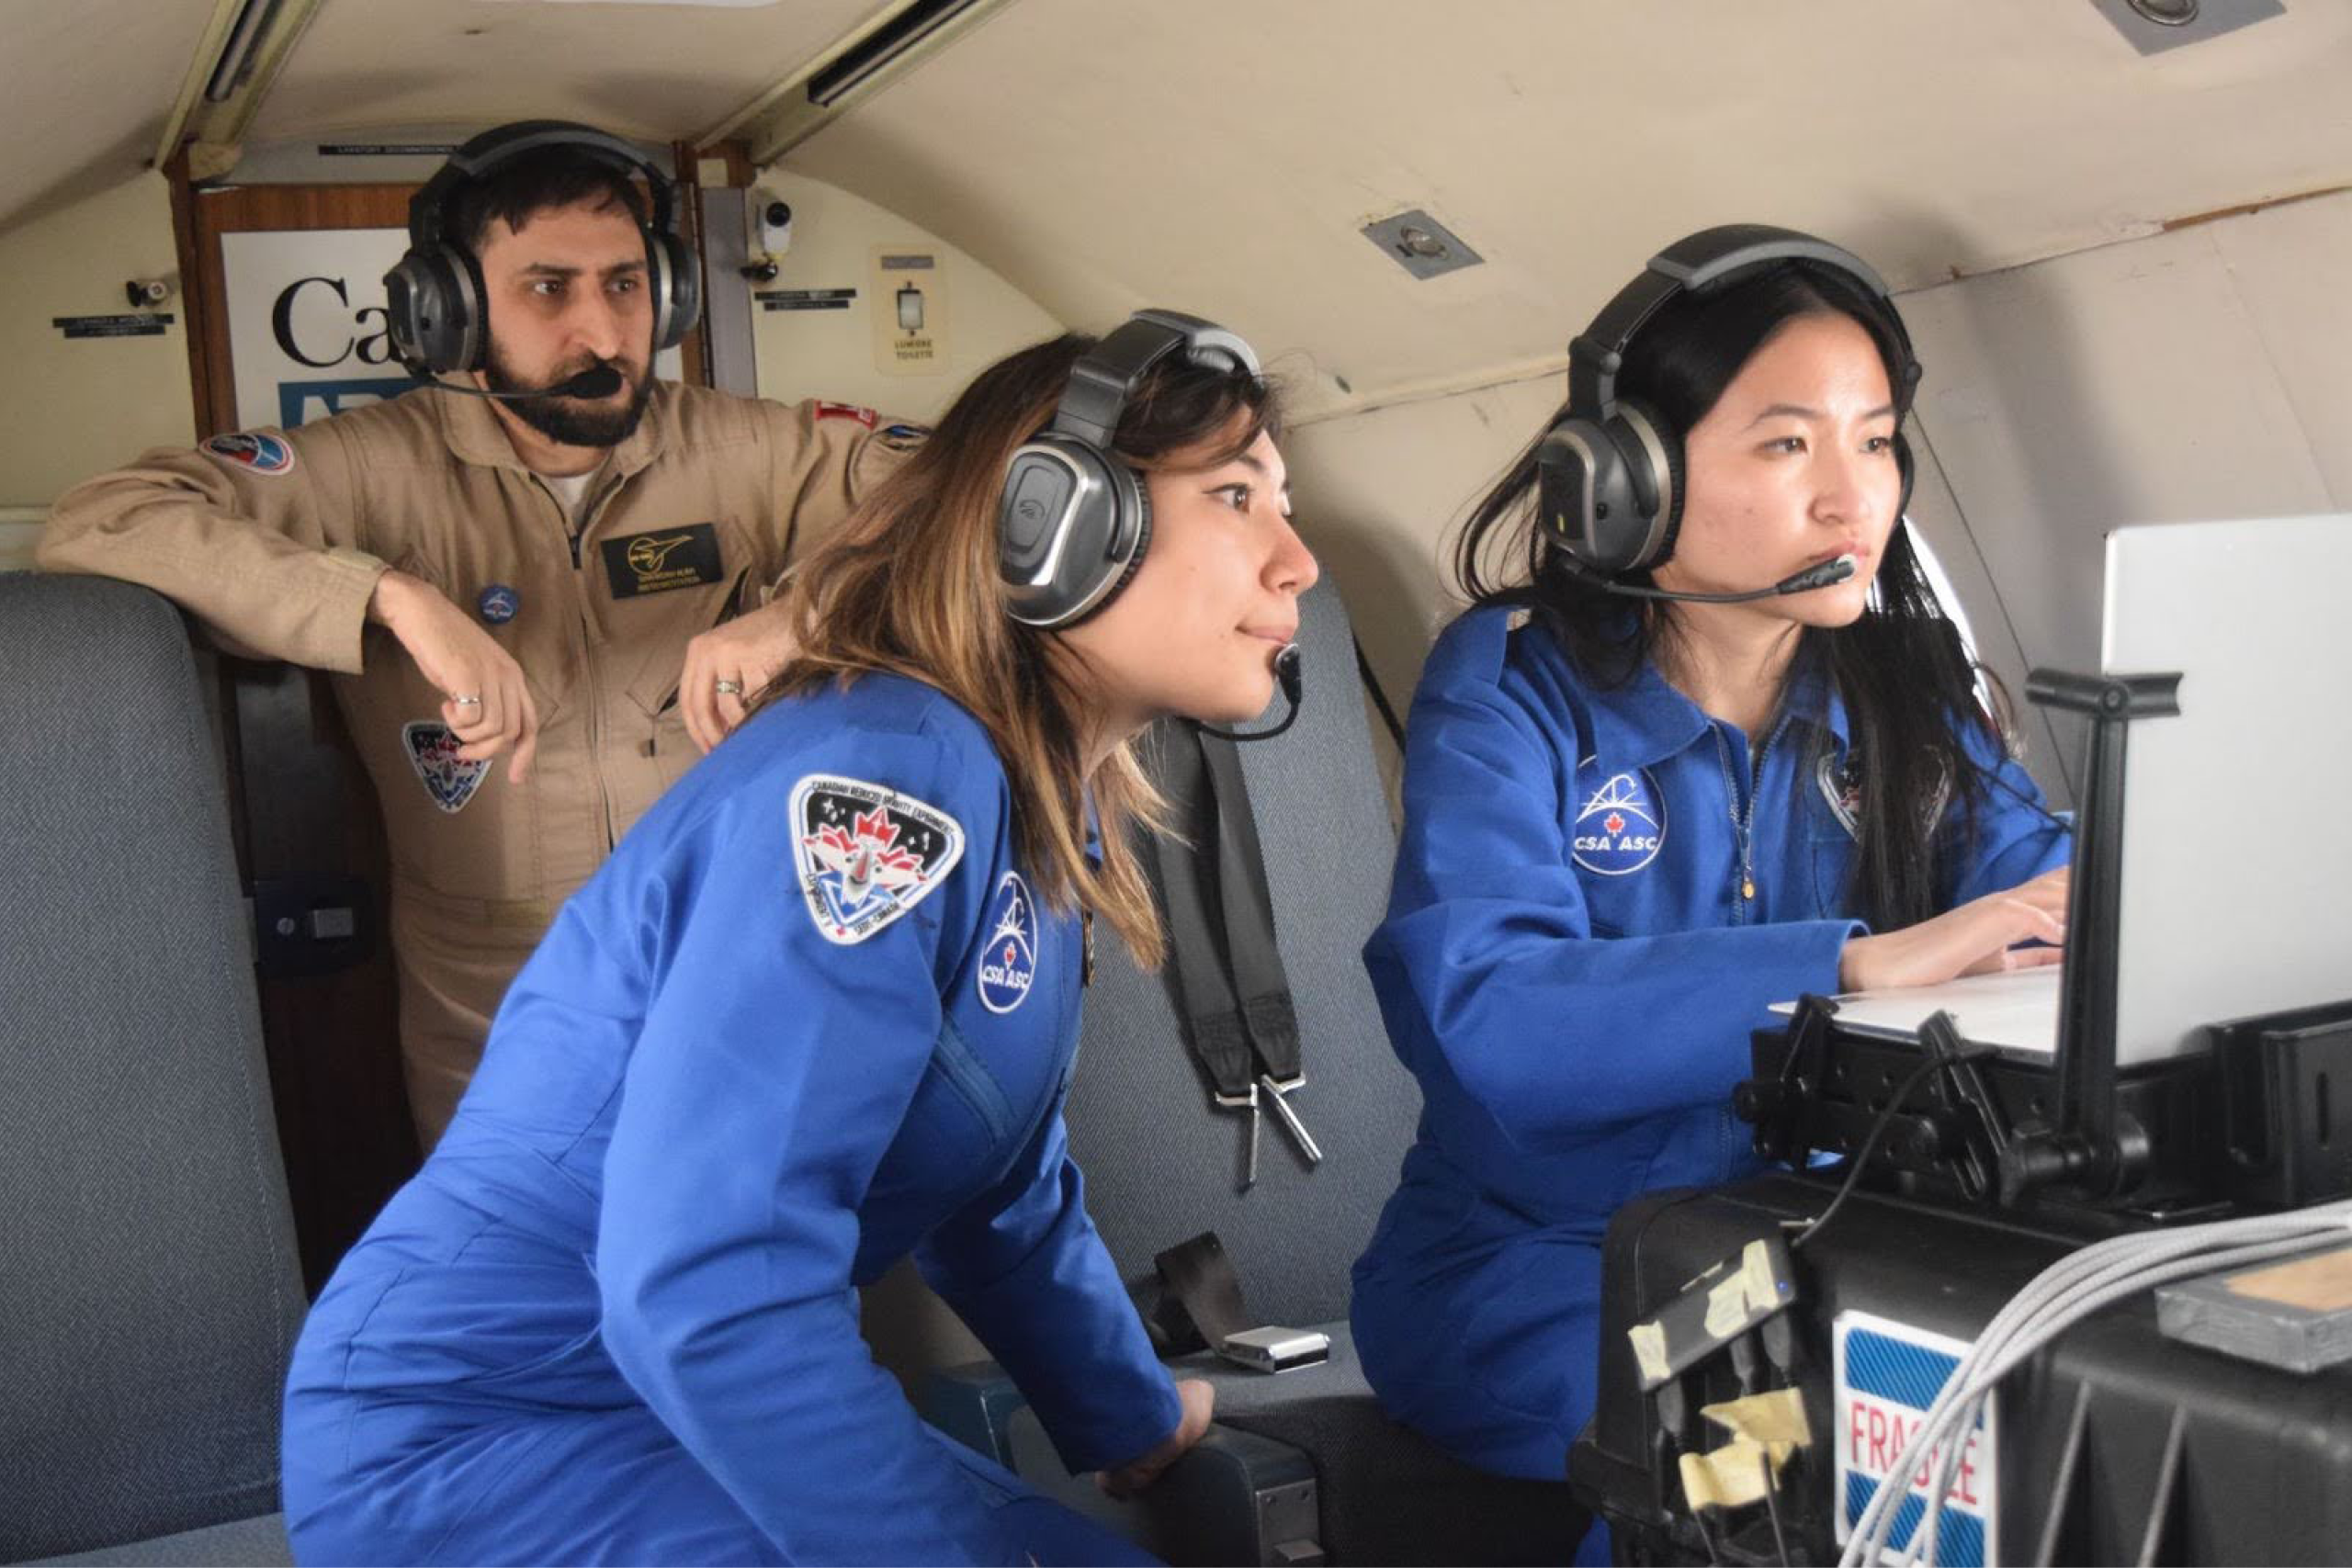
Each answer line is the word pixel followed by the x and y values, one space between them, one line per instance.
pixel 1887 1375
pixel 908 295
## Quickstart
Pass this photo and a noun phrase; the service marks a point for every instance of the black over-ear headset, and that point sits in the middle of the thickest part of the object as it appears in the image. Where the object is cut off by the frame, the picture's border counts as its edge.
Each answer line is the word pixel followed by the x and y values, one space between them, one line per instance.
pixel 1074 519
pixel 434 293
pixel 1609 473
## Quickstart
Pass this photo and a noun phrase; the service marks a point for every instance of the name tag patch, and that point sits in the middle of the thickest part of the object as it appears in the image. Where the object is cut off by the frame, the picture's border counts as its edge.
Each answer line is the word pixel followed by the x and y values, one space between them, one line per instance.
pixel 662 560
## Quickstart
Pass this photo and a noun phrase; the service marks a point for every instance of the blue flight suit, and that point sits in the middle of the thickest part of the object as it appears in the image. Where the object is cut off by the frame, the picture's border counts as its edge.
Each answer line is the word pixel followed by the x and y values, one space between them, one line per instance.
pixel 805 1020
pixel 1597 896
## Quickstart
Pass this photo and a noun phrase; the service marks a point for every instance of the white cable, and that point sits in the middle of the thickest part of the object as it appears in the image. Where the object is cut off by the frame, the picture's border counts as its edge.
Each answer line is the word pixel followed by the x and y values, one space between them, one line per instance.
pixel 2071 1288
pixel 2127 1274
pixel 2030 1341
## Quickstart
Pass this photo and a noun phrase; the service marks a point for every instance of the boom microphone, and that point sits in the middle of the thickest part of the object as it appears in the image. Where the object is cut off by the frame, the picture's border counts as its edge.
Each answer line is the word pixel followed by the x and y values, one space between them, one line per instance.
pixel 1828 574
pixel 596 381
pixel 1286 671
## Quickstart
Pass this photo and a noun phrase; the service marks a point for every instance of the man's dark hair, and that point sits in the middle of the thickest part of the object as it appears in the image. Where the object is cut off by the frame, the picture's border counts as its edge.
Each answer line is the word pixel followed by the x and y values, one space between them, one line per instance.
pixel 538 181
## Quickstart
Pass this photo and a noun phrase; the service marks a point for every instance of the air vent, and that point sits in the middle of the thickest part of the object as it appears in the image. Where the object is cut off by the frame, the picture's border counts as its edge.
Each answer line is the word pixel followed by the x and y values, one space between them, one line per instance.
pixel 881 48
pixel 2155 26
pixel 1421 244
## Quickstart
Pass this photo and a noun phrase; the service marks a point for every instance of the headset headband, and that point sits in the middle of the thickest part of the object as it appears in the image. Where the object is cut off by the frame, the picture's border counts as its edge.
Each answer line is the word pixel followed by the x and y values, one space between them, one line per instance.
pixel 1699 262
pixel 428 212
pixel 1105 377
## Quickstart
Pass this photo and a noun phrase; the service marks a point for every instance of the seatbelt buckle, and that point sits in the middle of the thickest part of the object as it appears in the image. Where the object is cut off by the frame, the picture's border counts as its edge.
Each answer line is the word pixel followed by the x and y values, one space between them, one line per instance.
pixel 1271 1349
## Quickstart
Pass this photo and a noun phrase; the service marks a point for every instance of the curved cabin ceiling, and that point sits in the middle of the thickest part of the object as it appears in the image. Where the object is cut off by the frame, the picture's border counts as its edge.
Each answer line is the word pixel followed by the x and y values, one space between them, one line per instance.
pixel 86 86
pixel 1220 155
pixel 656 72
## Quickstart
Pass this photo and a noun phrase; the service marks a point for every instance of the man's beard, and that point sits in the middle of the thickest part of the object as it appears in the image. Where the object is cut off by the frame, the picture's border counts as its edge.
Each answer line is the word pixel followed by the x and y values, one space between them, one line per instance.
pixel 567 420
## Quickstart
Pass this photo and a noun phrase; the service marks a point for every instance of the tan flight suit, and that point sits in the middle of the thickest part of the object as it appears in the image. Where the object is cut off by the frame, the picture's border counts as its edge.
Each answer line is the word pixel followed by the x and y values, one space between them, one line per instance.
pixel 273 540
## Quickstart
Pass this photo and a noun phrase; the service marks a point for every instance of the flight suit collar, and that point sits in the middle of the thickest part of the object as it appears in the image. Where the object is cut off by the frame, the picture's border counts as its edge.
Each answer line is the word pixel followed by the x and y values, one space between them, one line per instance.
pixel 475 436
pixel 1646 720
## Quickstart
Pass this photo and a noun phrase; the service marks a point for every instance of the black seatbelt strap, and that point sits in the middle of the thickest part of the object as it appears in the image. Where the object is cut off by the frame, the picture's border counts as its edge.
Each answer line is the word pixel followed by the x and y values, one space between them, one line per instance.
pixel 1229 982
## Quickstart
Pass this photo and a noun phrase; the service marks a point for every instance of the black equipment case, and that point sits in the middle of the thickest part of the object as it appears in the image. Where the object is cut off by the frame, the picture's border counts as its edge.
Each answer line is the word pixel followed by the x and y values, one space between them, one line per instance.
pixel 2114 1445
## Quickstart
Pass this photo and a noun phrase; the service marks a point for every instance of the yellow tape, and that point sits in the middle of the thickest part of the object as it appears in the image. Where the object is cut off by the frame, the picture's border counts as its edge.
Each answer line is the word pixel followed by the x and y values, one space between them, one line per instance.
pixel 1649 1351
pixel 1730 1477
pixel 1775 1419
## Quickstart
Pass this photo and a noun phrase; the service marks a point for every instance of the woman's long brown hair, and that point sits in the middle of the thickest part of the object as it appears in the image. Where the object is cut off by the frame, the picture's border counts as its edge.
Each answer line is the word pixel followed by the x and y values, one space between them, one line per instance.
pixel 909 585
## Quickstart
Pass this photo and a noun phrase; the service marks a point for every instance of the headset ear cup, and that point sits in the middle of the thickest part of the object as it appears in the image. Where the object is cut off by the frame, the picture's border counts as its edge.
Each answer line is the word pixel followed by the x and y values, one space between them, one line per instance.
pixel 1062 565
pixel 1651 459
pixel 1140 500
pixel 434 304
pixel 1561 478
pixel 1654 456
pixel 677 302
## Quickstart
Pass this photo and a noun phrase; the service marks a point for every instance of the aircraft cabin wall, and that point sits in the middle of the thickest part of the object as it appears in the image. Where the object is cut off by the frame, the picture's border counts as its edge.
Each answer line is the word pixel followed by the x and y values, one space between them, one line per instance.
pixel 77 406
pixel 2193 374
pixel 2185 375
pixel 84 405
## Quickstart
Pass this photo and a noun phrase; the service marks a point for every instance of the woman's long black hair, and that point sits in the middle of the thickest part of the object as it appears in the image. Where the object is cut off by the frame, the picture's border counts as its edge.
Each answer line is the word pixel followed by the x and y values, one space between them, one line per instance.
pixel 1909 688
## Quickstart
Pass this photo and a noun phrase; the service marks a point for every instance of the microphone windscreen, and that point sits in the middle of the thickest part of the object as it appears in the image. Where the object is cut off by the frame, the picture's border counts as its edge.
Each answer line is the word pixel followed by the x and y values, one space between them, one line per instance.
pixel 596 381
pixel 1287 670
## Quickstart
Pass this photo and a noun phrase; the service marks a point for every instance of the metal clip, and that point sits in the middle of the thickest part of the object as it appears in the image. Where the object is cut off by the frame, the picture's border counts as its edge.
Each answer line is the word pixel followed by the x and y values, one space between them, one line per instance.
pixel 1290 1119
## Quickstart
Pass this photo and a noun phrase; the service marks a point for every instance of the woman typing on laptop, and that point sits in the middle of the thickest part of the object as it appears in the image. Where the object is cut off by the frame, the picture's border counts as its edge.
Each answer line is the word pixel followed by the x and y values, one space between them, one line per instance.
pixel 1704 741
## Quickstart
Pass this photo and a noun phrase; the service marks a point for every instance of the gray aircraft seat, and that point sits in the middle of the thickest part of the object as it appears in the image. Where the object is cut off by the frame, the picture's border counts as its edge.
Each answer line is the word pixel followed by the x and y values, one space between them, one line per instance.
pixel 1161 1166
pixel 150 1293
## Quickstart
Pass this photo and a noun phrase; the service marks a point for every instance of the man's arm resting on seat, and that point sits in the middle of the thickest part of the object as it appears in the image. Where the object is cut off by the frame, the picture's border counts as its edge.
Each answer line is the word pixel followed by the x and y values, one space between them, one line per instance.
pixel 272 560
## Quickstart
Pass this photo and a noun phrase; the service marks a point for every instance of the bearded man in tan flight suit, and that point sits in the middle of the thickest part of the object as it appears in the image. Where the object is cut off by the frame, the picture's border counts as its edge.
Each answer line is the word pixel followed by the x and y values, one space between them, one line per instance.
pixel 576 583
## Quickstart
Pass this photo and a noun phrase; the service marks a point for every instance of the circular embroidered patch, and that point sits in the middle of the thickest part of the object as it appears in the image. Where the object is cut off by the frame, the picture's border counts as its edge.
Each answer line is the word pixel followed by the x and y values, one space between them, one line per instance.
pixel 498 604
pixel 262 454
pixel 1009 963
pixel 1621 824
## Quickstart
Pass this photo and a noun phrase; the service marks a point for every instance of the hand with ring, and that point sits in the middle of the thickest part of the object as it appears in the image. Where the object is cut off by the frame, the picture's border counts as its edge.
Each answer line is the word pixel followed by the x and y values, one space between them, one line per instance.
pixel 727 665
pixel 488 707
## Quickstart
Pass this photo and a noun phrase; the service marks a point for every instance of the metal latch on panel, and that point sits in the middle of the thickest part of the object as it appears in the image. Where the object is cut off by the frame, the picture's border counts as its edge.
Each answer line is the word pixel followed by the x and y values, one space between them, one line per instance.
pixel 311 925
pixel 1421 244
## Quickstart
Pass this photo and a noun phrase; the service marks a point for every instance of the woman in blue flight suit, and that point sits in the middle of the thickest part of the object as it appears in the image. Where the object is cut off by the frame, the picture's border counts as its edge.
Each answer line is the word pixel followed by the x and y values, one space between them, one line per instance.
pixel 818 1011
pixel 1633 821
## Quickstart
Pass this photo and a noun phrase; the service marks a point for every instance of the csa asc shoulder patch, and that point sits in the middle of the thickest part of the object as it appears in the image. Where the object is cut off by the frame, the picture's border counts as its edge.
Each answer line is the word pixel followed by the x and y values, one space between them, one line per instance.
pixel 263 453
pixel 450 779
pixel 1008 964
pixel 866 854
pixel 864 416
pixel 1621 821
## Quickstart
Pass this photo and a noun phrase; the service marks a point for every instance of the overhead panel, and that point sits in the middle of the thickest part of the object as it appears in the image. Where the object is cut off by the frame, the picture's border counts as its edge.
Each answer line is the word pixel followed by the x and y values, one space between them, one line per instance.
pixel 848 72
pixel 656 72
pixel 228 81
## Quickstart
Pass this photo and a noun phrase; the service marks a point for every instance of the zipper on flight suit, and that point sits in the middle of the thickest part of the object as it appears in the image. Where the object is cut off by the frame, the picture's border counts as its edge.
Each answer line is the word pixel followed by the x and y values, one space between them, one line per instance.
pixel 1743 812
pixel 593 692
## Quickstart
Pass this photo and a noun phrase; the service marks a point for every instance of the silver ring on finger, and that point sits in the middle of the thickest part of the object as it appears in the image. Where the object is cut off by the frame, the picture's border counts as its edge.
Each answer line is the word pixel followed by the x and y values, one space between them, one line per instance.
pixel 469 702
pixel 729 689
